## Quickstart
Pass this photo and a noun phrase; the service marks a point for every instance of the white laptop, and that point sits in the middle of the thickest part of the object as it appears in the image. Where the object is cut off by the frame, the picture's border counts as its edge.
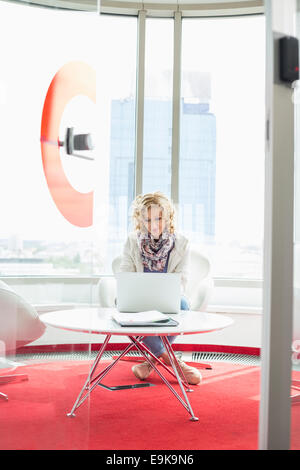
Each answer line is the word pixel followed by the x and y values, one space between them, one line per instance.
pixel 139 292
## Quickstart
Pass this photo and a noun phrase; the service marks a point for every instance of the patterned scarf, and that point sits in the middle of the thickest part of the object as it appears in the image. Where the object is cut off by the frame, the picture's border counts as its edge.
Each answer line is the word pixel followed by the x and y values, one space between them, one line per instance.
pixel 155 252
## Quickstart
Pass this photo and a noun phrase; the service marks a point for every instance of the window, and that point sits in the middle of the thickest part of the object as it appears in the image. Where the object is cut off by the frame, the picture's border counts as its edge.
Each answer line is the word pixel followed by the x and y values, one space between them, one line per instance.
pixel 35 237
pixel 221 183
pixel 158 105
pixel 221 188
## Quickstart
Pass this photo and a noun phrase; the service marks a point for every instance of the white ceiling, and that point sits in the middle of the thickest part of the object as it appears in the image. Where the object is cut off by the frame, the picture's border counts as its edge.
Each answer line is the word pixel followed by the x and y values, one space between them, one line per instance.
pixel 203 7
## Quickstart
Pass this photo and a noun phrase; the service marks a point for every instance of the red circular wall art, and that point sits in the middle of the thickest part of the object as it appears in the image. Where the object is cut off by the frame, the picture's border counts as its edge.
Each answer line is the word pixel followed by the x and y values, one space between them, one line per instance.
pixel 74 78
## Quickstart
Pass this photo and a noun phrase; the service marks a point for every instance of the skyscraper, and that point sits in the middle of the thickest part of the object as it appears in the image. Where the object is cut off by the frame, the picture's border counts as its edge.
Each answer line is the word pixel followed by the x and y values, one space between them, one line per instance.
pixel 197 164
pixel 197 172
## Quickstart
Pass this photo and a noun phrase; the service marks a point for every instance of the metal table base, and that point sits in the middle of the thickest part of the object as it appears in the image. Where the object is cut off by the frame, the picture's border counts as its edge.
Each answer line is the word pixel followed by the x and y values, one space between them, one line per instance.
pixel 176 371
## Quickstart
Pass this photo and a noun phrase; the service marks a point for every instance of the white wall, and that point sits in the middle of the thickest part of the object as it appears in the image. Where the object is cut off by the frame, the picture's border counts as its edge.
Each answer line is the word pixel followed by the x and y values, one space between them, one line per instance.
pixel 283 18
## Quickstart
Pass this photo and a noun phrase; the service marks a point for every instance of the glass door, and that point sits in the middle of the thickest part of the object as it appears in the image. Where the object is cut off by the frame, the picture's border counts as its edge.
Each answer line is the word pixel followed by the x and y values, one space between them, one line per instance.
pixel 48 175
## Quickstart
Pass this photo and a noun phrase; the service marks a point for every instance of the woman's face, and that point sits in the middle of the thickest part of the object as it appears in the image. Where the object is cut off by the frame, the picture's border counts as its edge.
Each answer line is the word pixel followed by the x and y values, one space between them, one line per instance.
pixel 154 221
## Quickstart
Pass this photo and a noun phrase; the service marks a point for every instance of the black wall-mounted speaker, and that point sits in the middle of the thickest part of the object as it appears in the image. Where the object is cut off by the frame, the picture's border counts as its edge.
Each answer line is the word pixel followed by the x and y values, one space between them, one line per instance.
pixel 289 59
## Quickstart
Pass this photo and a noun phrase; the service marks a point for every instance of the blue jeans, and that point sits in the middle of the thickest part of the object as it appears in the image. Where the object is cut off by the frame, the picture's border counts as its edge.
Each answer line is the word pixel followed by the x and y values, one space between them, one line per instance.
pixel 154 343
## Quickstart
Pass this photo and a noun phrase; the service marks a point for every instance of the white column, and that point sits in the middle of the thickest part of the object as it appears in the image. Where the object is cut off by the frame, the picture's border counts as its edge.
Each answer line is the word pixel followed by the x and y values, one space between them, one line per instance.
pixel 274 424
pixel 139 149
pixel 176 107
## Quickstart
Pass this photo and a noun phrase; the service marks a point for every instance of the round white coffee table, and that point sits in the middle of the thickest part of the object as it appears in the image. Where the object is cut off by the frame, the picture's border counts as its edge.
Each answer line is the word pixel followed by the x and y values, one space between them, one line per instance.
pixel 99 320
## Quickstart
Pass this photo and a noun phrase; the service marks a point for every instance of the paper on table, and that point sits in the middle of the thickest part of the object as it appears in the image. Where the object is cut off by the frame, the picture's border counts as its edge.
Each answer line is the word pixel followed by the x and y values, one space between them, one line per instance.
pixel 147 317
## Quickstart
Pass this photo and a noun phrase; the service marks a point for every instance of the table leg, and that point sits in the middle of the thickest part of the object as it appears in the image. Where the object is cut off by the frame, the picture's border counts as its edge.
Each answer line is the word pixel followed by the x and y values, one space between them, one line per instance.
pixel 170 351
pixel 176 366
pixel 184 381
pixel 91 382
pixel 110 366
pixel 78 402
pixel 186 403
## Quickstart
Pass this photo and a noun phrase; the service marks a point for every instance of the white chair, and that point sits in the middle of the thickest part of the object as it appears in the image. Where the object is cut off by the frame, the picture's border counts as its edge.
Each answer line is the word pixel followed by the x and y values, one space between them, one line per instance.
pixel 198 289
pixel 200 283
pixel 107 286
pixel 19 325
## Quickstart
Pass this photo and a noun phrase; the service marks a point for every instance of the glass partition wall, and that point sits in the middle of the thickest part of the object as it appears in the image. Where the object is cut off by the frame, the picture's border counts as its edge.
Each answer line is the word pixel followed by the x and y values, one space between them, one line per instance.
pixel 66 214
pixel 48 246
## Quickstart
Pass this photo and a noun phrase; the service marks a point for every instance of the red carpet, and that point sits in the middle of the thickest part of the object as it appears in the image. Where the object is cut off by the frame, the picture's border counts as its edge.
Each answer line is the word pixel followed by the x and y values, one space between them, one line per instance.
pixel 226 403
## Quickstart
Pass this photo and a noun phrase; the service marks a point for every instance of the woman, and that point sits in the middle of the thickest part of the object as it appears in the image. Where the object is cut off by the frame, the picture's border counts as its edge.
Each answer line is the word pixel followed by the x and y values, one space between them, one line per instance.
pixel 154 246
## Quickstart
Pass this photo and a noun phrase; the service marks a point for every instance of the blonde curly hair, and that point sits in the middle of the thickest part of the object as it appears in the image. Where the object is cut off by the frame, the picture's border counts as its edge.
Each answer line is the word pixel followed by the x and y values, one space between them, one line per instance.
pixel 142 202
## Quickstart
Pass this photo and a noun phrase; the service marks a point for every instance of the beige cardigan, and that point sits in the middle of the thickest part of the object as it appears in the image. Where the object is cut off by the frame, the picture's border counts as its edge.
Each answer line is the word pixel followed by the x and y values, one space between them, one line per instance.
pixel 178 260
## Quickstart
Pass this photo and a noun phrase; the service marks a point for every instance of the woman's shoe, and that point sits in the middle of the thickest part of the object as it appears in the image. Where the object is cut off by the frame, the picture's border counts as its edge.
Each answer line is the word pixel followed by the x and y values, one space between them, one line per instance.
pixel 142 371
pixel 192 375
